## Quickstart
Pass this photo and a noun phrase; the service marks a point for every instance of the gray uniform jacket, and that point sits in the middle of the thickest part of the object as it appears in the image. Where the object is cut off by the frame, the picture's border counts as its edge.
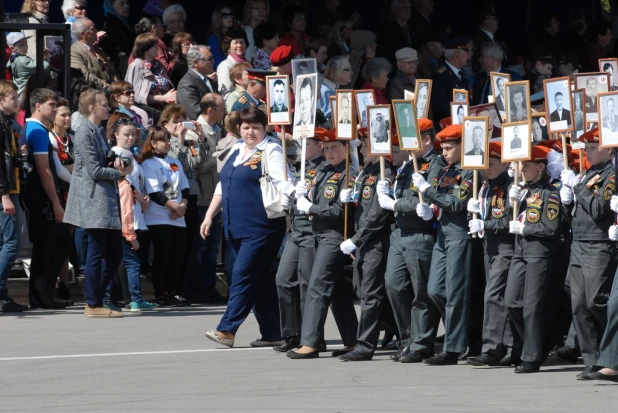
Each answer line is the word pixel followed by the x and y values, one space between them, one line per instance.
pixel 93 195
pixel 300 222
pixel 450 194
pixel 590 212
pixel 496 214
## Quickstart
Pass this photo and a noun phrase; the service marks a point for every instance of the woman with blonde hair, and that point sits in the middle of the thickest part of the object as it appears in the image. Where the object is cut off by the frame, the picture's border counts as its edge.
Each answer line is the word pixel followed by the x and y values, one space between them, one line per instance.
pixel 38 11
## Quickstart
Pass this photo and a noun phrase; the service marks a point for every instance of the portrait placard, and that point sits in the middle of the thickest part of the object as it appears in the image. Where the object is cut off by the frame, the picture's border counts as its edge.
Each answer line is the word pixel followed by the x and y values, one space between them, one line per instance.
pixel 610 66
pixel 593 84
pixel 608 119
pixel 460 95
pixel 498 90
pixel 422 97
pixel 475 145
pixel 346 122
pixel 579 116
pixel 558 104
pixel 278 100
pixel 458 111
pixel 363 99
pixel 333 109
pixel 495 120
pixel 408 95
pixel 305 106
pixel 516 142
pixel 303 67
pixel 538 125
pixel 407 126
pixel 379 129
pixel 55 45
pixel 517 101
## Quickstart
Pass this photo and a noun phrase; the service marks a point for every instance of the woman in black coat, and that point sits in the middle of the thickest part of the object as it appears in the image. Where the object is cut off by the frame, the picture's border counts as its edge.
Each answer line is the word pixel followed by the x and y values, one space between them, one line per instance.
pixel 119 36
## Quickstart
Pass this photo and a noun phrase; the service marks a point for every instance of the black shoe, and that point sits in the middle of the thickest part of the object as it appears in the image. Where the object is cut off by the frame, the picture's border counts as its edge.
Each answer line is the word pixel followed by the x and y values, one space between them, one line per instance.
pixel 355 356
pixel 484 359
pixel 414 356
pixel 386 340
pixel 290 343
pixel 401 352
pixel 10 306
pixel 199 299
pixel 509 359
pixel 470 352
pixel 216 297
pixel 600 376
pixel 167 301
pixel 585 375
pixel 443 359
pixel 44 296
pixel 568 354
pixel 264 343
pixel 340 352
pixel 62 292
pixel 322 347
pixel 393 345
pixel 181 301
pixel 297 356
pixel 526 367
pixel 440 339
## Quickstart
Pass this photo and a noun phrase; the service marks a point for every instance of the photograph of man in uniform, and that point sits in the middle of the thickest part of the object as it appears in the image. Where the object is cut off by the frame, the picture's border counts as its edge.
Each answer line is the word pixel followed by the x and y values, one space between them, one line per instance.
pixel 378 128
pixel 516 141
pixel 407 125
pixel 306 102
pixel 422 97
pixel 279 95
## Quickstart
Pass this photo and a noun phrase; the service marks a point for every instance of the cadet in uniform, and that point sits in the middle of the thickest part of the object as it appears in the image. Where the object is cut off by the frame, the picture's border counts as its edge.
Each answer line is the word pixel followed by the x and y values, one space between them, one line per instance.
pixel 449 76
pixel 493 226
pixel 256 91
pixel 409 255
pixel 537 240
pixel 326 282
pixel 593 256
pixel 299 253
pixel 450 279
pixel 371 241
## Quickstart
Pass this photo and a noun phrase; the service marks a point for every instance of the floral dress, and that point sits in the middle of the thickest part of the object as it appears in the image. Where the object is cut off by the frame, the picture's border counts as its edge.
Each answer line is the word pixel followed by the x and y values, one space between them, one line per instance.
pixel 161 84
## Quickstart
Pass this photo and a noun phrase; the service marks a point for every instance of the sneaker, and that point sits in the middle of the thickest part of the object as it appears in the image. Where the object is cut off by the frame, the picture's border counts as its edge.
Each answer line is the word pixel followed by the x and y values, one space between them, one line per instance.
pixel 101 312
pixel 143 306
pixel 113 307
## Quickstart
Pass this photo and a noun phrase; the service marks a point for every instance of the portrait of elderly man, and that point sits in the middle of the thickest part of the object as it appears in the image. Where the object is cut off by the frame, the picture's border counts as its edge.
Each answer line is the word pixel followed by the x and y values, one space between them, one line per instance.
pixel 379 128
pixel 306 102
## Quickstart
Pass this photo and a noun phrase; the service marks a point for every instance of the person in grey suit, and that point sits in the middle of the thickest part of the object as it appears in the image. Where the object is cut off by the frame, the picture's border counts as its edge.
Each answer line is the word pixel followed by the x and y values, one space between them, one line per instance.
pixel 198 81
pixel 92 203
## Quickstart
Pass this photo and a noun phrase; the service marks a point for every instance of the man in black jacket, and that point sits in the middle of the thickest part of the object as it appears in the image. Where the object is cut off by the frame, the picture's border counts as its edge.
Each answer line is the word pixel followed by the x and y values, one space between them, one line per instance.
pixel 9 191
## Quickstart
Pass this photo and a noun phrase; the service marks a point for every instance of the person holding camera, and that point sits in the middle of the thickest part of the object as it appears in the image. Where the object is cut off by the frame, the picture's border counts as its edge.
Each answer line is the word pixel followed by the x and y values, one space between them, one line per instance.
pixel 93 202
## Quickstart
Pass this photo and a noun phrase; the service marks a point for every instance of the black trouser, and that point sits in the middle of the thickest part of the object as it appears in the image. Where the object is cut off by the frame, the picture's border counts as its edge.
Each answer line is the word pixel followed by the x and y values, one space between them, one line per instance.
pixel 608 350
pixel 477 288
pixel 495 319
pixel 169 252
pixel 193 223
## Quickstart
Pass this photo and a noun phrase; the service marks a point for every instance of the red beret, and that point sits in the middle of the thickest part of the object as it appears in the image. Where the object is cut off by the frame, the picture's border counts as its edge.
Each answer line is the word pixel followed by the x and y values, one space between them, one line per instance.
pixel 450 133
pixel 446 122
pixel 539 153
pixel 424 124
pixel 555 144
pixel 495 149
pixel 330 135
pixel 592 136
pixel 319 134
pixel 281 55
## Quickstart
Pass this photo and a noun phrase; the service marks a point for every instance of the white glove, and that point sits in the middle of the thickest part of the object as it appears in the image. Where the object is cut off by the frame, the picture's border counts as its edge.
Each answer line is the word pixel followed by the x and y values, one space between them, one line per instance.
pixel 347 246
pixel 568 178
pixel 566 195
pixel 286 202
pixel 514 194
pixel 355 143
pixel 303 205
pixel 383 188
pixel 420 182
pixel 286 188
pixel 613 233
pixel 301 189
pixel 424 211
pixel 474 206
pixel 476 226
pixel 613 204
pixel 345 196
pixel 516 227
pixel 386 202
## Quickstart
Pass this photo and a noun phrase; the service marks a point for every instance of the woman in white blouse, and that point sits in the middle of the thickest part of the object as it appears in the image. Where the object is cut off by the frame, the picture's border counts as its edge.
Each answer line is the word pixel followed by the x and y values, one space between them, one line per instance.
pixel 253 238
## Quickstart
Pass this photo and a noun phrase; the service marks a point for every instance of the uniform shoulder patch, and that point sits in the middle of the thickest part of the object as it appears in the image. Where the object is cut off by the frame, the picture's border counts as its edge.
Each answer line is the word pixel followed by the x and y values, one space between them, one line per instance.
pixel 553 198
pixel 612 178
pixel 366 192
pixel 242 100
pixel 533 215
pixel 441 69
pixel 329 192
pixel 464 190
pixel 609 191
pixel 553 210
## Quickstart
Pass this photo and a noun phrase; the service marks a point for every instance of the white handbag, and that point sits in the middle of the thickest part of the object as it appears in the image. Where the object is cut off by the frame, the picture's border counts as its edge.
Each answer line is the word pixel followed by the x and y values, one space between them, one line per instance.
pixel 270 195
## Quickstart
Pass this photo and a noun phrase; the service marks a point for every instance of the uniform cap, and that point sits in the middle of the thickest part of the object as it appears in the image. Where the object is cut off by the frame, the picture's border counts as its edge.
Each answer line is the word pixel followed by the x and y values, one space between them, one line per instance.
pixel 446 122
pixel 495 150
pixel 539 153
pixel 424 124
pixel 458 43
pixel 281 55
pixel 555 144
pixel 407 54
pixel 330 135
pixel 591 136
pixel 319 134
pixel 450 133
pixel 259 74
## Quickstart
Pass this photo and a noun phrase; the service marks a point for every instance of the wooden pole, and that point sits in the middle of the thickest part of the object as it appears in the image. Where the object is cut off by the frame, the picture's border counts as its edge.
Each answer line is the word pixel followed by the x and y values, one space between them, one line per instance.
pixel 565 154
pixel 516 183
pixel 581 160
pixel 475 193
pixel 345 186
pixel 415 164
pixel 303 156
pixel 382 169
pixel 285 154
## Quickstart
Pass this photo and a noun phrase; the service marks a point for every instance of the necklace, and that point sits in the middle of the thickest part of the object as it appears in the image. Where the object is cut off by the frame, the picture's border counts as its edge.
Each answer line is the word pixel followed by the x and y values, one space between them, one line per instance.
pixel 64 154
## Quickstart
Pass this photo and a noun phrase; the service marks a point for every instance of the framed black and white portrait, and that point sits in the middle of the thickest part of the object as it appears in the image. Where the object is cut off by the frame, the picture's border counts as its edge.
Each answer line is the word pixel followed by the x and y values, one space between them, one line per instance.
pixel 579 116
pixel 610 66
pixel 422 97
pixel 593 84
pixel 305 105
pixel 303 67
pixel 516 142
pixel 379 130
pixel 407 126
pixel 333 109
pixel 278 100
pixel 460 95
pixel 558 104
pixel 538 126
pixel 495 120
pixel 608 119
pixel 517 101
pixel 475 143
pixel 363 99
pixel 346 122
pixel 498 90
pixel 55 45
pixel 458 111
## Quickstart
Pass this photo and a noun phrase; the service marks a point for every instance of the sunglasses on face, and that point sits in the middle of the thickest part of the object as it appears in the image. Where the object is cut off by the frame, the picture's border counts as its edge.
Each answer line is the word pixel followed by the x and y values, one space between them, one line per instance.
pixel 227 15
pixel 124 121
pixel 128 92
pixel 80 7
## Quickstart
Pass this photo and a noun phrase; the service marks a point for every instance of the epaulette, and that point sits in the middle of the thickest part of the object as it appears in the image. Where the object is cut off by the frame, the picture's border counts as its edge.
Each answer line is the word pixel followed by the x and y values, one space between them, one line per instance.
pixel 242 100
pixel 442 69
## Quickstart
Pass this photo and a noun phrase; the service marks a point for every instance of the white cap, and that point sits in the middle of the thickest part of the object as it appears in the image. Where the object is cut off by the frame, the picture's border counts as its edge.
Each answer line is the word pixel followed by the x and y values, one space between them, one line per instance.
pixel 15 37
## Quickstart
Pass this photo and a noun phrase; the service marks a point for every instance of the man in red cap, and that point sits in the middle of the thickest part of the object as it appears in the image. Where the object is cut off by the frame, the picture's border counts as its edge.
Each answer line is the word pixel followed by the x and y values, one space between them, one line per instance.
pixel 492 224
pixel 410 252
pixel 450 280
pixel 538 231
pixel 593 257
pixel 281 58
